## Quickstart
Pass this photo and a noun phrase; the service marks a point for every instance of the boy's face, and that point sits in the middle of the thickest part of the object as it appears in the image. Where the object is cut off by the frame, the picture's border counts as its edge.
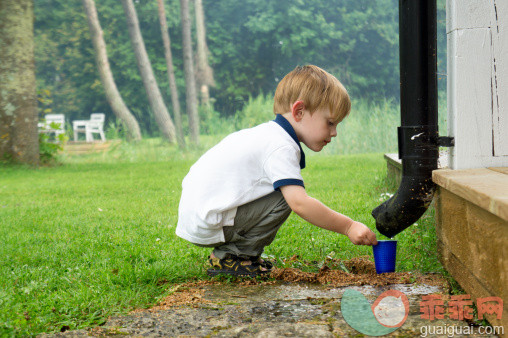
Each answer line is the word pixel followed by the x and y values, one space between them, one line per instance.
pixel 316 130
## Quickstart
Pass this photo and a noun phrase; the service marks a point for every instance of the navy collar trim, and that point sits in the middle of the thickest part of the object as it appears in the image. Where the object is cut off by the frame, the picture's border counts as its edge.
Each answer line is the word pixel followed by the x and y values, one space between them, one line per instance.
pixel 281 121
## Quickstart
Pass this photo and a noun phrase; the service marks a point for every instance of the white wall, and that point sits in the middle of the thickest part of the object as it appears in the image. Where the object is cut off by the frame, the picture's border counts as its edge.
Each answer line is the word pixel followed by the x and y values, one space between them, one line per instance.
pixel 477 32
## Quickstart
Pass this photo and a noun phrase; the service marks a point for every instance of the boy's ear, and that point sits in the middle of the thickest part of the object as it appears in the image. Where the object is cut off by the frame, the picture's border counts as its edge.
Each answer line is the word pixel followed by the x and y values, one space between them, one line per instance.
pixel 297 110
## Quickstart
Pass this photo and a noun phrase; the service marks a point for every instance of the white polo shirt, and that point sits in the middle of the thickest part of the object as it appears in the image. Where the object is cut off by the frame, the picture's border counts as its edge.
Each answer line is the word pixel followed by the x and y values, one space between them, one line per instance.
pixel 243 167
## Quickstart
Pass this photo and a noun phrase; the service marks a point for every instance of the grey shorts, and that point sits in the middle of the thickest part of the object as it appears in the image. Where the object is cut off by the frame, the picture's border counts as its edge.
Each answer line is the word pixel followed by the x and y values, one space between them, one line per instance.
pixel 255 226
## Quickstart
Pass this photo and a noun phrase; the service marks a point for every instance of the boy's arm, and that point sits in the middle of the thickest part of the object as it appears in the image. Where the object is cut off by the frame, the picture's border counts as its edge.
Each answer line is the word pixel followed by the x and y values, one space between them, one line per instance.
pixel 319 214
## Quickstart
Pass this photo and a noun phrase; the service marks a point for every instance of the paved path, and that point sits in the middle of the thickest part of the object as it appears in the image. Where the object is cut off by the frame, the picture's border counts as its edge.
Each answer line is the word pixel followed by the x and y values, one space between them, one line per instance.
pixel 276 310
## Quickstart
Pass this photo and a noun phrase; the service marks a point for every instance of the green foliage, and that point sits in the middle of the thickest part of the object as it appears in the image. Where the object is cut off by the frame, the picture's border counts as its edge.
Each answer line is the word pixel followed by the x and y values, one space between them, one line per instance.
pixel 212 123
pixel 252 44
pixel 115 131
pixel 371 127
pixel 89 240
pixel 65 64
pixel 47 150
pixel 50 146
pixel 44 101
pixel 274 37
pixel 256 111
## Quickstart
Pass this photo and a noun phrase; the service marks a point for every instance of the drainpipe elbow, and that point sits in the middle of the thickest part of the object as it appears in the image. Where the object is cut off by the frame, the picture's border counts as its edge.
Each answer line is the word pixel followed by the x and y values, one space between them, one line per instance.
pixel 406 206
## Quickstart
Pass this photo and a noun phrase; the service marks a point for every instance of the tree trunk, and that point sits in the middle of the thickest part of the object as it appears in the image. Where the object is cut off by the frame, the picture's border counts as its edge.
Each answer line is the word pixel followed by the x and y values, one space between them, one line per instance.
pixel 192 105
pixel 205 72
pixel 19 140
pixel 171 73
pixel 159 109
pixel 101 58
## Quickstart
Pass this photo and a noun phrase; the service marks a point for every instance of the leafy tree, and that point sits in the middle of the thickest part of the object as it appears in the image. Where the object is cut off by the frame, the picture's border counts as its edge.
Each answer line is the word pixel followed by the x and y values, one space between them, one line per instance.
pixel 113 96
pixel 65 60
pixel 190 75
pixel 204 71
pixel 252 45
pixel 356 40
pixel 145 68
pixel 18 113
pixel 171 72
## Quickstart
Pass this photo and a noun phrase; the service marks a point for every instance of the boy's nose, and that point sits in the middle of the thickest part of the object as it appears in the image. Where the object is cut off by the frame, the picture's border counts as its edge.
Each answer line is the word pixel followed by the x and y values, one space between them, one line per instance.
pixel 334 132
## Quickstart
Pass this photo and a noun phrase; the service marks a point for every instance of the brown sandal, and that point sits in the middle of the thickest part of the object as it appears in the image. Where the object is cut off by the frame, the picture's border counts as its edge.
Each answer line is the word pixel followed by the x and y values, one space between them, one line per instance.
pixel 234 266
pixel 267 264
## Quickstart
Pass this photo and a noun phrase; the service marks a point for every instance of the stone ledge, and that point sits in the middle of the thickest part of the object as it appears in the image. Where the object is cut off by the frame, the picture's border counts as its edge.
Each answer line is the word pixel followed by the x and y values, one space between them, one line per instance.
pixel 472 230
pixel 485 187
pixel 394 160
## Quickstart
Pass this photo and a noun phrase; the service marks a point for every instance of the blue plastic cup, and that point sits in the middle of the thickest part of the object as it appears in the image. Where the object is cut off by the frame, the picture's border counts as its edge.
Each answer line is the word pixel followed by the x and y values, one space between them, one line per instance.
pixel 385 253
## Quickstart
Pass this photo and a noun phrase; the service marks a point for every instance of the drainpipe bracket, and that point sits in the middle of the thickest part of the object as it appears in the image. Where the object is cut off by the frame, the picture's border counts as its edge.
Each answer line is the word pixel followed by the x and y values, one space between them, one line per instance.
pixel 417 141
pixel 445 141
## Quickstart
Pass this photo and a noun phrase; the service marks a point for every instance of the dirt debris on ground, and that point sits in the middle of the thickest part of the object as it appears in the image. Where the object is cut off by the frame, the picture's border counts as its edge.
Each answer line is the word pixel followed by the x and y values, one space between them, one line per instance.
pixel 354 272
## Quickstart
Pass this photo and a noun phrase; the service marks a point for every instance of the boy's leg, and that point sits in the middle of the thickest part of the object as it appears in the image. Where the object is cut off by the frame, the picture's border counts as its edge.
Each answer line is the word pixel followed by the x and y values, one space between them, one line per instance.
pixel 256 224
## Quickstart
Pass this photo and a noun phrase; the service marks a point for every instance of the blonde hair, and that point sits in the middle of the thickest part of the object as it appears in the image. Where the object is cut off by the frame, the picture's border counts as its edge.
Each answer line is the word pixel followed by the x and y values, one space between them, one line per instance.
pixel 316 88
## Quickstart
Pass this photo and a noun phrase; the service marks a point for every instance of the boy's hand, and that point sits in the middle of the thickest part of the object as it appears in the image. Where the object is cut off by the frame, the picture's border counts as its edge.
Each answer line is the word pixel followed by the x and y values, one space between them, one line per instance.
pixel 360 234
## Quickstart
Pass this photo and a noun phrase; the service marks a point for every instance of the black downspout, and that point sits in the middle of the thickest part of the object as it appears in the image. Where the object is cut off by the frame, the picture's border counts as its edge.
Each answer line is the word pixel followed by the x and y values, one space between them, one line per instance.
pixel 418 135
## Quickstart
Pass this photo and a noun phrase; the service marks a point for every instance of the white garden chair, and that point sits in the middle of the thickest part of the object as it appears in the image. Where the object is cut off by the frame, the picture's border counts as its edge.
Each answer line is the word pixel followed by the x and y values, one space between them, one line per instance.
pixel 93 126
pixel 53 123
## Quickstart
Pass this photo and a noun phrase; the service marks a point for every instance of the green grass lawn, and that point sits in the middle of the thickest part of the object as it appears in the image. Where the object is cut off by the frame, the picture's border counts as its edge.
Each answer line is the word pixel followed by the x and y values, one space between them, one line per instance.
pixel 89 239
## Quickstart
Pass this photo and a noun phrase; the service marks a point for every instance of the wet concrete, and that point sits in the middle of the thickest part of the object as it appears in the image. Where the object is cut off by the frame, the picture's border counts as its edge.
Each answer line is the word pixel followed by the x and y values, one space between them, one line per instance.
pixel 266 310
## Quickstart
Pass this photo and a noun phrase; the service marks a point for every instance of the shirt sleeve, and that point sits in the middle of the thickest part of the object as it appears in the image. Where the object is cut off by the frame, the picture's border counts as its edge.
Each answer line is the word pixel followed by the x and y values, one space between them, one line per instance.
pixel 282 167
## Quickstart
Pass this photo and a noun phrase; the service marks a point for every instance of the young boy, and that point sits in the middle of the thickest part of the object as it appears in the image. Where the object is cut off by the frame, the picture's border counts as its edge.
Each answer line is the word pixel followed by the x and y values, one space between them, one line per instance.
pixel 238 194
